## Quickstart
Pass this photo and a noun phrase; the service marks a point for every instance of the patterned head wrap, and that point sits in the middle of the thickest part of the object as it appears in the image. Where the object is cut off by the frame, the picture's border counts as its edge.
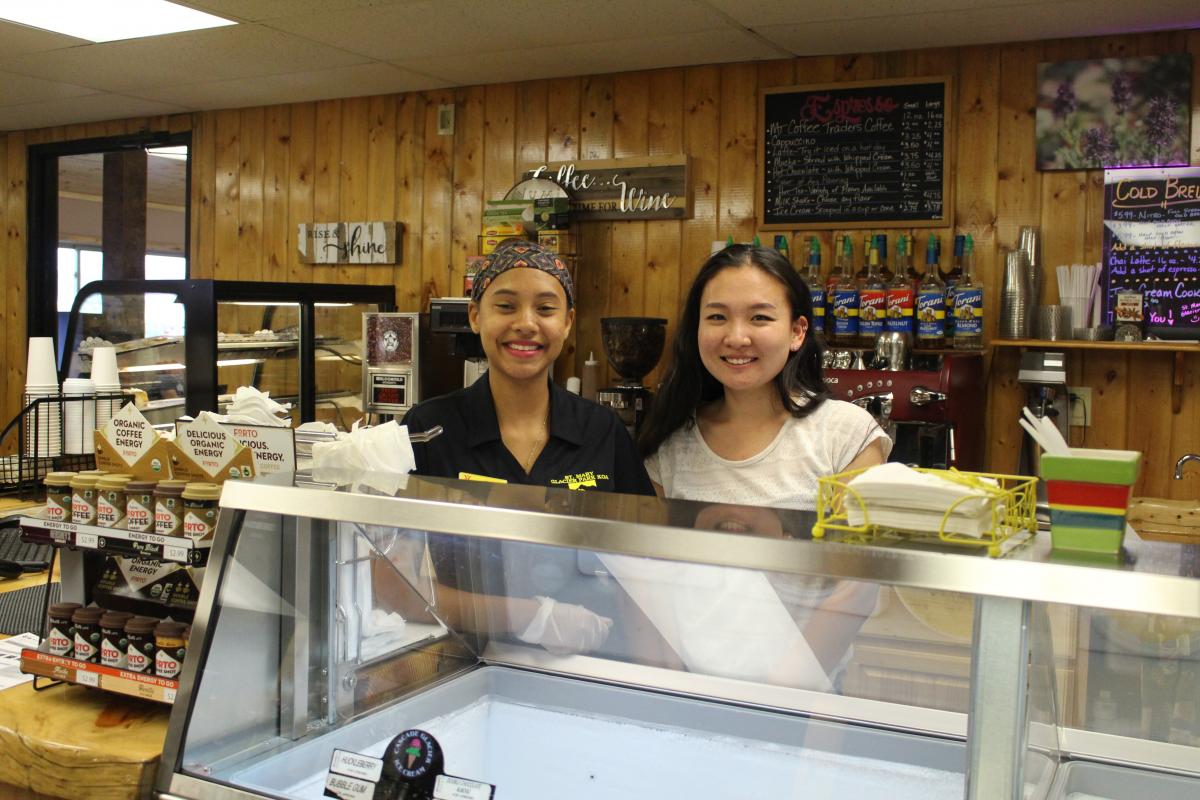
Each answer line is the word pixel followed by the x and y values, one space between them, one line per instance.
pixel 513 253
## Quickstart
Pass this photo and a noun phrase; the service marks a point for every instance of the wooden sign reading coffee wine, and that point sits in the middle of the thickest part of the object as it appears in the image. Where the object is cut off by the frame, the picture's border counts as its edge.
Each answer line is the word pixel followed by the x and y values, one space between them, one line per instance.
pixel 623 188
pixel 851 155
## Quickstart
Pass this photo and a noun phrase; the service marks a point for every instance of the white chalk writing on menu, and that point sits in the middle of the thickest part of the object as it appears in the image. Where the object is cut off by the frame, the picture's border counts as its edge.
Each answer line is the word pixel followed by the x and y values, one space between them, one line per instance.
pixel 859 153
pixel 1152 242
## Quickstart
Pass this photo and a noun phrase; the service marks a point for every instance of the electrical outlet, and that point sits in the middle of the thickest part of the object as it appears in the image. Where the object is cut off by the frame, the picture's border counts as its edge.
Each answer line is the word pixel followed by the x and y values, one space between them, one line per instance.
pixel 1081 406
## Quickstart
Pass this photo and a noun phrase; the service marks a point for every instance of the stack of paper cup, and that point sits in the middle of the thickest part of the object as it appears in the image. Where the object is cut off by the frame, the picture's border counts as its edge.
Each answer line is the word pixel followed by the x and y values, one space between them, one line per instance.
pixel 79 409
pixel 104 375
pixel 43 424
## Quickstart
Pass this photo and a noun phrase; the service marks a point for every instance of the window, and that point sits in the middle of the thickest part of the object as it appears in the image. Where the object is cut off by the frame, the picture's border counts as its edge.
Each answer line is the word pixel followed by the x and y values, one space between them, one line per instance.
pixel 164 316
pixel 79 266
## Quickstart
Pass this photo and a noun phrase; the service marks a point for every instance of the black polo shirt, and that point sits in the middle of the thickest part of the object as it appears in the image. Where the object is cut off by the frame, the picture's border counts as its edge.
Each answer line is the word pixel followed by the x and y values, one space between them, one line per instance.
pixel 588 447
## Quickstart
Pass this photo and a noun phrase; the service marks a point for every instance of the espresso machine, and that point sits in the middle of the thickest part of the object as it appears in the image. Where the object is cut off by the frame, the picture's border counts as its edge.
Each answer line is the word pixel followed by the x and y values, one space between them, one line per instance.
pixel 633 346
pixel 450 323
pixel 933 408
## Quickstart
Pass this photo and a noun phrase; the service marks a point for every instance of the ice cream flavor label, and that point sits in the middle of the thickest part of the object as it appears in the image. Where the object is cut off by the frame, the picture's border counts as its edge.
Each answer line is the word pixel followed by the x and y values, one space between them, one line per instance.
pixel 356 765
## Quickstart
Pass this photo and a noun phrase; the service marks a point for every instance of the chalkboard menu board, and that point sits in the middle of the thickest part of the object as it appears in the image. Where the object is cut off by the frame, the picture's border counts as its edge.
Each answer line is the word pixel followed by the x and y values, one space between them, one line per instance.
pixel 1152 245
pixel 854 155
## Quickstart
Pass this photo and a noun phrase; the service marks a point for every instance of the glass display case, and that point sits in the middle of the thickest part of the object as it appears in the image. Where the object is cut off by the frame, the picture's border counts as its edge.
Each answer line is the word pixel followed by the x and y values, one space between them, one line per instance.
pixel 188 344
pixel 588 645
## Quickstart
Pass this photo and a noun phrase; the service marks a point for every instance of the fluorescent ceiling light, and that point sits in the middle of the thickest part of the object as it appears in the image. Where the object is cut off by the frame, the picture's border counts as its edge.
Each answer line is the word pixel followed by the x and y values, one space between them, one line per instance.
pixel 178 152
pixel 108 22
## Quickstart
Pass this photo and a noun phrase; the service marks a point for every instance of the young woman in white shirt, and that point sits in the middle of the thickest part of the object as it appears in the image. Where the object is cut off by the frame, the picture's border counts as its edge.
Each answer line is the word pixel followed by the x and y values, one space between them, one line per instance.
pixel 743 415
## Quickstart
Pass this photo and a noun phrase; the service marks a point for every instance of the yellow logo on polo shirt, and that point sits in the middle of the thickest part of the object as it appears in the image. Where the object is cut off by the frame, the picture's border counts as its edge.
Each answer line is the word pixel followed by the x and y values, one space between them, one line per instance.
pixel 471 476
pixel 580 481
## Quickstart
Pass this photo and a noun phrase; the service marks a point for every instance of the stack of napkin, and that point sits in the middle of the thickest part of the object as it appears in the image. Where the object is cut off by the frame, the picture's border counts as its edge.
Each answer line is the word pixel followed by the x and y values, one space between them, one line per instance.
pixel 897 496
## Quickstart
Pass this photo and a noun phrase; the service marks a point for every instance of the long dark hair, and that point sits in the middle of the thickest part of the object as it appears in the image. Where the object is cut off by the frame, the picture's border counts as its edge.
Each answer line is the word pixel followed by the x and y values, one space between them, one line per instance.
pixel 689 385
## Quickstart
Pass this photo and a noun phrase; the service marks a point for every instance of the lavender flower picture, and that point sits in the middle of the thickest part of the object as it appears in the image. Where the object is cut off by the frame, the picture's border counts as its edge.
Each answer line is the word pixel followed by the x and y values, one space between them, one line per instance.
pixel 1114 112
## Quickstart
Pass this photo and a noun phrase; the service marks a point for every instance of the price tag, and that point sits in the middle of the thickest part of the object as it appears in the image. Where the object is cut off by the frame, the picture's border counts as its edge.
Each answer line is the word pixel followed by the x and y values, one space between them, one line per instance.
pixel 169 695
pixel 85 678
pixel 448 787
pixel 89 540
pixel 348 788
pixel 174 552
pixel 355 765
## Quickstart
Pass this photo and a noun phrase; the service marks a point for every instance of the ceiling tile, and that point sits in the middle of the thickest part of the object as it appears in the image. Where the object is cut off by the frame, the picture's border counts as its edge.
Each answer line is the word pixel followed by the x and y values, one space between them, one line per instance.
pixel 89 108
pixel 255 10
pixel 239 51
pixel 906 31
pixel 597 58
pixel 17 39
pixel 353 81
pixel 443 27
pixel 18 89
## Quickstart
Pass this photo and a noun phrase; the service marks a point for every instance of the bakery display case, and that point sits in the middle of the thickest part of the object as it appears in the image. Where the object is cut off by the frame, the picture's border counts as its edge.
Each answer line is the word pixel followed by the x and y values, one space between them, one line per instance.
pixel 184 346
pixel 552 643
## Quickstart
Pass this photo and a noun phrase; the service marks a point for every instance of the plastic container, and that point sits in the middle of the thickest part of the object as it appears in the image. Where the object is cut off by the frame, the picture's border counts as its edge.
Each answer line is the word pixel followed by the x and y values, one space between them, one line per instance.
pixel 83 499
pixel 1088 491
pixel 170 648
pixel 139 505
pixel 58 496
pixel 60 640
pixel 200 510
pixel 87 633
pixel 168 508
pixel 110 500
pixel 590 378
pixel 140 649
pixel 112 638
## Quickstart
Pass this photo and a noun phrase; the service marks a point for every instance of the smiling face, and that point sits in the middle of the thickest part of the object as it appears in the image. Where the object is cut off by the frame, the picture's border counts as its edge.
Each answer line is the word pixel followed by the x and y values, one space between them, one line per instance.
pixel 746 331
pixel 522 319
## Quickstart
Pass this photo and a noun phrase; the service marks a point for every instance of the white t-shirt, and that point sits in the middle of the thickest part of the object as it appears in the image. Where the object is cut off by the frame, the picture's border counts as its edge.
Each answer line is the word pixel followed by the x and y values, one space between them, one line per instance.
pixel 783 475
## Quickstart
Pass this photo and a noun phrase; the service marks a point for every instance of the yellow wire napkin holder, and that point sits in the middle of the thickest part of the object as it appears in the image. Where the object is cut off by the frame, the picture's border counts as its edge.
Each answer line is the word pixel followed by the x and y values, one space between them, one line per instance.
pixel 1011 500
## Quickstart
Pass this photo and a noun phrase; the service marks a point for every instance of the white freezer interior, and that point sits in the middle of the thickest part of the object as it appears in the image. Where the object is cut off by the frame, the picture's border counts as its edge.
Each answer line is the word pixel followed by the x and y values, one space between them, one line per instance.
pixel 543 737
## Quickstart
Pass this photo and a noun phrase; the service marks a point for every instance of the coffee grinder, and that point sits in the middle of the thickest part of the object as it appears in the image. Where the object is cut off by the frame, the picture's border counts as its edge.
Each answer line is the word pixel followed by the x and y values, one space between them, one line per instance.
pixel 1044 376
pixel 633 346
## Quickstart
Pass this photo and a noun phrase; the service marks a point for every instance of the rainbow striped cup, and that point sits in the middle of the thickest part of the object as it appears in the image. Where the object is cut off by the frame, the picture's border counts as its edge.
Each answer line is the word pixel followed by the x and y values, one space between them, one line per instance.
pixel 1089 492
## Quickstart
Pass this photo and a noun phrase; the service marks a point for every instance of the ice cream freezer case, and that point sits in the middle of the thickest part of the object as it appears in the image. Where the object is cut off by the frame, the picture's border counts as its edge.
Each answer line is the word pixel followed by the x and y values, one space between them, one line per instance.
pixel 379 636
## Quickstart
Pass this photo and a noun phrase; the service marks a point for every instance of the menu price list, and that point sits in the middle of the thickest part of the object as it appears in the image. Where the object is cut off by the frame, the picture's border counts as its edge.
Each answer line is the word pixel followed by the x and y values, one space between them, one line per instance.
pixel 115 541
pixel 111 679
pixel 869 153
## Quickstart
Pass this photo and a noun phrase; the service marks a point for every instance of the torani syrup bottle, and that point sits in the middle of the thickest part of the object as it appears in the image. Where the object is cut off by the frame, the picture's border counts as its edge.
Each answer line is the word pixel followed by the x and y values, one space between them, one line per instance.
pixel 816 286
pixel 901 293
pixel 844 305
pixel 951 279
pixel 931 304
pixel 872 301
pixel 968 303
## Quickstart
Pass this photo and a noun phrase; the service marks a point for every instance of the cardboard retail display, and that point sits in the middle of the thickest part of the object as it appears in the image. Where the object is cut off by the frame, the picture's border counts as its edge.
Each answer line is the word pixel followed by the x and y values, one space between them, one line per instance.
pixel 129 444
pixel 206 450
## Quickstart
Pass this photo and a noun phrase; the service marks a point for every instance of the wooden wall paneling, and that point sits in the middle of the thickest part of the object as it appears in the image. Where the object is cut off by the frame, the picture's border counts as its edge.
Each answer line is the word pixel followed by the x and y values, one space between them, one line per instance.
pixel 410 173
pixel 15 324
pixel 202 219
pixel 225 226
pixel 327 182
pixel 1185 433
pixel 1018 203
pixel 14 367
pixel 251 160
pixel 563 99
pixel 470 133
pixel 277 236
pixel 701 141
pixel 381 174
pixel 1148 420
pixel 499 155
pixel 631 121
pixel 738 149
pixel 531 123
pixel 353 180
pixel 437 202
pixel 664 238
pixel 301 185
pixel 595 261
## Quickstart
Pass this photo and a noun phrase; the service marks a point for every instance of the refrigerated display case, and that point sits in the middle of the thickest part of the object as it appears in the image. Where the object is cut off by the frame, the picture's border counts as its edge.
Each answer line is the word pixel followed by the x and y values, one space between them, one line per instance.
pixel 300 342
pixel 590 645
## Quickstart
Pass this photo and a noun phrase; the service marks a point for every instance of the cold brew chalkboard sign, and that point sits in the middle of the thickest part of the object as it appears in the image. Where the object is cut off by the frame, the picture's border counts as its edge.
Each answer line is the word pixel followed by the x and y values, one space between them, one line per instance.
pixel 1152 245
pixel 854 155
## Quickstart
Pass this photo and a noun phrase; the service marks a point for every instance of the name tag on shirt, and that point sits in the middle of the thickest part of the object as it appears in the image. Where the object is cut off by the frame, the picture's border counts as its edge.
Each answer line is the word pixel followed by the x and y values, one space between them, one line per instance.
pixel 470 476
